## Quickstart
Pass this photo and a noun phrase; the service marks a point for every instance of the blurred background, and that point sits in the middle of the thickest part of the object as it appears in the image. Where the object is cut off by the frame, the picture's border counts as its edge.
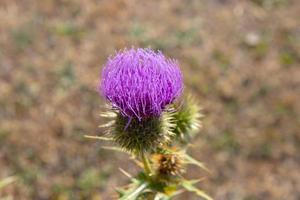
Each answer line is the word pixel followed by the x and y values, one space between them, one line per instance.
pixel 240 59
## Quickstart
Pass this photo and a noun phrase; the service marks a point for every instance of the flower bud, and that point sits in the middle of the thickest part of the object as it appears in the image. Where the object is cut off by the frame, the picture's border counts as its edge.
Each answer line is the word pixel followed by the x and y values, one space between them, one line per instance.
pixel 187 119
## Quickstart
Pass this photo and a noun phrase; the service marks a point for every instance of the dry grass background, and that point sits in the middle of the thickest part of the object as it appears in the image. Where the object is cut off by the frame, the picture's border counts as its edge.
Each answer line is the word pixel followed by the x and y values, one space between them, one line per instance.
pixel 240 58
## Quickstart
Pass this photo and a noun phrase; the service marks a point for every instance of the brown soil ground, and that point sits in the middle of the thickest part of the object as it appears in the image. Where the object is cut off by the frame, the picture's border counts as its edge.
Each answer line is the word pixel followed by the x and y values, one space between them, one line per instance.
pixel 240 58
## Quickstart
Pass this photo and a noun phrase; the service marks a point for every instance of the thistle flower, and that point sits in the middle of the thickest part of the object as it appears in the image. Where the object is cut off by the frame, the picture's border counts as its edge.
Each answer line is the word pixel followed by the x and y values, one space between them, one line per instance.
pixel 142 85
pixel 140 82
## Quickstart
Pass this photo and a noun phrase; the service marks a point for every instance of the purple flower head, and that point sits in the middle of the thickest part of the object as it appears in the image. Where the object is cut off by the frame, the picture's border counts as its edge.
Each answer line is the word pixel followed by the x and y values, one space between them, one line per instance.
pixel 141 82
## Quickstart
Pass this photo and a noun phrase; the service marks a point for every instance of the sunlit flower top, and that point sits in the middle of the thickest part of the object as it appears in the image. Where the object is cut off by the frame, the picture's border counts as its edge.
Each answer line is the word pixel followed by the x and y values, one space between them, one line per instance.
pixel 140 82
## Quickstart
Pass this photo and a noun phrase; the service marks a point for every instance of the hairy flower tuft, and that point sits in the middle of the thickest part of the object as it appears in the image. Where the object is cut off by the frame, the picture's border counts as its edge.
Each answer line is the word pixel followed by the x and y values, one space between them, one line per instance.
pixel 140 82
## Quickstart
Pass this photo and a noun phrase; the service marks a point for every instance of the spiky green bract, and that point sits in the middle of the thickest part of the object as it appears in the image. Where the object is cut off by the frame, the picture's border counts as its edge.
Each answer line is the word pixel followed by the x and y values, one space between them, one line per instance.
pixel 139 136
pixel 187 119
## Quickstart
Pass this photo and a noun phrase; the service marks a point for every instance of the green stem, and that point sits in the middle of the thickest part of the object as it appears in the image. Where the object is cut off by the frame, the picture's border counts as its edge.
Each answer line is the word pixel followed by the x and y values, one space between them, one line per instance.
pixel 146 163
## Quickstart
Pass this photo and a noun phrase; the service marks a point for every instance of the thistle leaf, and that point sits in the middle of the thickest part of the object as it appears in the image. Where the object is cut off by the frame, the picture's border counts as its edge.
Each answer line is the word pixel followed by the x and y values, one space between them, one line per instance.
pixel 133 193
pixel 126 173
pixel 196 180
pixel 120 191
pixel 188 185
pixel 191 160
